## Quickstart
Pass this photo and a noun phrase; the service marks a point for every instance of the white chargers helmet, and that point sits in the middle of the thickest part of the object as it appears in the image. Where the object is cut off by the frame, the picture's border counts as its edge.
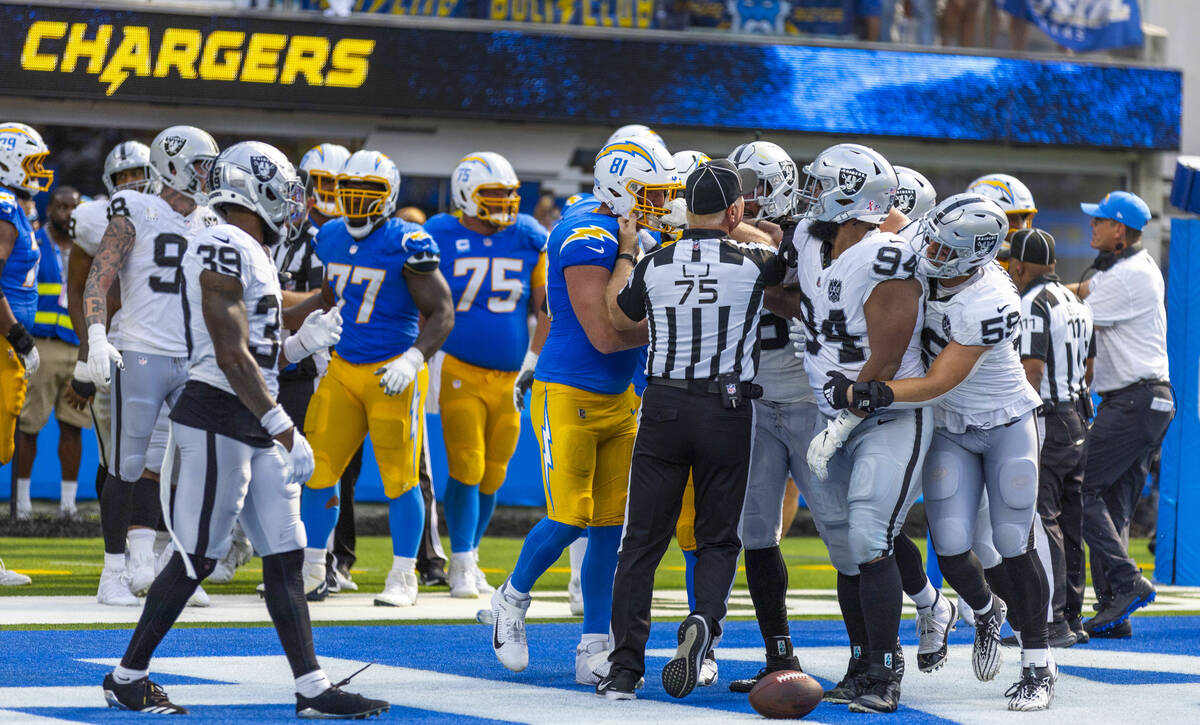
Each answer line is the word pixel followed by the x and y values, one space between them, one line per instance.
pixel 129 156
pixel 319 168
pixel 914 195
pixel 485 186
pixel 848 181
pixel 367 189
pixel 634 130
pixel 688 161
pixel 775 193
pixel 1007 191
pixel 22 153
pixel 961 233
pixel 181 156
pixel 628 172
pixel 258 177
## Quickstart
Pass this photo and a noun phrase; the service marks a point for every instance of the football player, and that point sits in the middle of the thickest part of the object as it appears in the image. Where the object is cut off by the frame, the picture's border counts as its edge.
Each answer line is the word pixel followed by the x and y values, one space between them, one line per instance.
pixel 319 168
pixel 914 194
pixel 142 247
pixel 383 273
pixel 495 262
pixel 239 451
pixel 864 322
pixel 1014 198
pixel 22 174
pixel 986 434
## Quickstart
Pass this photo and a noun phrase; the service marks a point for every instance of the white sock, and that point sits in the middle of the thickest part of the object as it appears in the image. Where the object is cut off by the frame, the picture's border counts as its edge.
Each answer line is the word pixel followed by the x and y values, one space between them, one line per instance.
pixel 23 502
pixel 925 598
pixel 404 563
pixel 578 549
pixel 124 675
pixel 161 539
pixel 66 501
pixel 314 556
pixel 1035 657
pixel 511 592
pixel 141 542
pixel 987 608
pixel 313 683
pixel 466 558
pixel 586 639
pixel 114 562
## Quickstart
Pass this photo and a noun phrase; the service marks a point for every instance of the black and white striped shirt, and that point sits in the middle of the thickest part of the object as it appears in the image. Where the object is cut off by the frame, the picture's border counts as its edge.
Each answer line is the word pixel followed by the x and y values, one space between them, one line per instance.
pixel 1056 327
pixel 703 296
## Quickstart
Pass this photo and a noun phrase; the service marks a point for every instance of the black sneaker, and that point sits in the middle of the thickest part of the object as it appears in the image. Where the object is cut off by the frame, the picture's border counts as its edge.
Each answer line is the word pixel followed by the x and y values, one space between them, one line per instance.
pixel 682 672
pixel 336 704
pixel 435 577
pixel 1122 605
pixel 773 665
pixel 619 684
pixel 1076 625
pixel 140 696
pixel 1124 630
pixel 1061 635
pixel 851 686
pixel 880 691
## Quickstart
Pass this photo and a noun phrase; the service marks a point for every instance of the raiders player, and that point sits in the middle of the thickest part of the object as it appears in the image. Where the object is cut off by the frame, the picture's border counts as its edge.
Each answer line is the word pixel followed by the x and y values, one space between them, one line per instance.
pixel 986 435
pixel 142 246
pixel 863 315
pixel 239 451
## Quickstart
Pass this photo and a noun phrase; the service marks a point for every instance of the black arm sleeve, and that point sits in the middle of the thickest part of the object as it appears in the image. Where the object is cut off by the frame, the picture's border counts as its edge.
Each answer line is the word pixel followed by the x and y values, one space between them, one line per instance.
pixel 632 297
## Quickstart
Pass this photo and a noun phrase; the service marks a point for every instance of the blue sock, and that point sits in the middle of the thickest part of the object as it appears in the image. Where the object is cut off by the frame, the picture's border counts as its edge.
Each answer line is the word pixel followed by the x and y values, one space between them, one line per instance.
pixel 406 519
pixel 461 503
pixel 689 576
pixel 596 575
pixel 318 516
pixel 543 545
pixel 487 506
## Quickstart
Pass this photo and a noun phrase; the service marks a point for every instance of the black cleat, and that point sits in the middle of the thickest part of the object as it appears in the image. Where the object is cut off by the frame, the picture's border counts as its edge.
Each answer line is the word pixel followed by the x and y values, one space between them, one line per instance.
pixel 336 704
pixel 1076 625
pixel 139 696
pixel 880 691
pixel 681 674
pixel 1061 635
pixel 619 684
pixel 1122 605
pixel 851 686
pixel 1124 630
pixel 435 577
pixel 773 665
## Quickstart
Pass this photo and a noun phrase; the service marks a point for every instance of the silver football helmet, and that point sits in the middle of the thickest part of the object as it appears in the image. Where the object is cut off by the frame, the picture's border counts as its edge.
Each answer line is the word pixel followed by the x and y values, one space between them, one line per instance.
pixel 914 195
pixel 848 181
pixel 962 233
pixel 181 156
pixel 775 193
pixel 125 156
pixel 258 177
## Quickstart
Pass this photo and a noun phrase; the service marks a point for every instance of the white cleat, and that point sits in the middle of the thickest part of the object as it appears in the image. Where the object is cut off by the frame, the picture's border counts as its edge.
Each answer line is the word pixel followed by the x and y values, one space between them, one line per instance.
pixel 985 653
pixel 481 582
pixel 114 589
pixel 462 578
pixel 508 629
pixel 400 590
pixel 708 671
pixel 199 598
pixel 934 624
pixel 11 578
pixel 575 595
pixel 591 662
pixel 1035 690
pixel 345 583
pixel 315 586
pixel 141 574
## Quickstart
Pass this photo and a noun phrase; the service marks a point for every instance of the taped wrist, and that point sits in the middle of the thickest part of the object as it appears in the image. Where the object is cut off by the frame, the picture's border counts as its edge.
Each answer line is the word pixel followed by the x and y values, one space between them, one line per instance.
pixel 871 396
pixel 20 339
pixel 276 421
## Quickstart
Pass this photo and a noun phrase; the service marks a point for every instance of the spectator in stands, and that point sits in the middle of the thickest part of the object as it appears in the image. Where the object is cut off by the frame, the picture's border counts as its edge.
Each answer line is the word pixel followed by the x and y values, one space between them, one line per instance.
pixel 547 211
pixel 670 15
pixel 867 19
pixel 923 14
pixel 59 347
pixel 958 22
pixel 1018 23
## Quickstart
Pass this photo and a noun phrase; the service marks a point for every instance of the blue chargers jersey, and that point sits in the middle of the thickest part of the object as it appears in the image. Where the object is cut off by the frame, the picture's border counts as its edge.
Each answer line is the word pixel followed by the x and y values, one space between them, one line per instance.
pixel 490 282
pixel 581 237
pixel 19 280
pixel 379 317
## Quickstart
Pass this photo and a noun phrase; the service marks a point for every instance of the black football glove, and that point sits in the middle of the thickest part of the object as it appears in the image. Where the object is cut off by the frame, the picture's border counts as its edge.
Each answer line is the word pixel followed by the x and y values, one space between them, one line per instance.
pixel 867 397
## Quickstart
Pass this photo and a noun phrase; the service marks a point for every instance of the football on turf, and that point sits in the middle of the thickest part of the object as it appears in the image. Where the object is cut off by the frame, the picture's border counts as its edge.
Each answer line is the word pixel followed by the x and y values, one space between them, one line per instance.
pixel 786 694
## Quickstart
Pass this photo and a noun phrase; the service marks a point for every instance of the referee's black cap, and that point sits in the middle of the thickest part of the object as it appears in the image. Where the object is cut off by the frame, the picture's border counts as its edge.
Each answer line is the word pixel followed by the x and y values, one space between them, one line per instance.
pixel 715 185
pixel 1035 246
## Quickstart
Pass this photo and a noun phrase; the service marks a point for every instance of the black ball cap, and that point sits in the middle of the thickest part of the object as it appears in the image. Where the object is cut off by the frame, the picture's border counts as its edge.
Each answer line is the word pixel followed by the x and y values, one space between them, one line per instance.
pixel 716 185
pixel 1035 246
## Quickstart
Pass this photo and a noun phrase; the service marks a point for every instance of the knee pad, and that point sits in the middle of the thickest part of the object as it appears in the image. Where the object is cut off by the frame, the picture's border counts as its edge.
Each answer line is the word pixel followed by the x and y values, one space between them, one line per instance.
pixel 1011 539
pixel 951 535
pixel 837 543
pixel 493 477
pixel 1018 483
pixel 940 476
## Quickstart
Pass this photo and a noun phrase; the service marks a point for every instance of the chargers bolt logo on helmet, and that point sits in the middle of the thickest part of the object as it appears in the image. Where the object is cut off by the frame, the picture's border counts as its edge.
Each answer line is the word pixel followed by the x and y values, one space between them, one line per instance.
pixel 637 177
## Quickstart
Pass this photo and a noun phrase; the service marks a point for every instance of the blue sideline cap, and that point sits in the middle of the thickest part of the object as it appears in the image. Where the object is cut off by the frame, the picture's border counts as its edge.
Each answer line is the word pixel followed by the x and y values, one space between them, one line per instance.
pixel 1122 206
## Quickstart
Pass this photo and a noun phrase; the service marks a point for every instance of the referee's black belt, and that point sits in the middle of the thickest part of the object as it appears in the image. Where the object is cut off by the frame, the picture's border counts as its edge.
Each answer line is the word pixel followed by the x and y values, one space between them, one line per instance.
pixel 750 391
pixel 1062 407
pixel 1145 383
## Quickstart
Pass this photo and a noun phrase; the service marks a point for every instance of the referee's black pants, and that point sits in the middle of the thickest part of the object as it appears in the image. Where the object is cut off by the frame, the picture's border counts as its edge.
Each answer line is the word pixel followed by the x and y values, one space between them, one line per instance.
pixel 680 431
pixel 1129 428
pixel 1060 506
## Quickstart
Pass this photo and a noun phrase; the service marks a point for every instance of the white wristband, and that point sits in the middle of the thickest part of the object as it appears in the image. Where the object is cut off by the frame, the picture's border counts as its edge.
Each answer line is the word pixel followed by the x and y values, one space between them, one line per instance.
pixel 276 421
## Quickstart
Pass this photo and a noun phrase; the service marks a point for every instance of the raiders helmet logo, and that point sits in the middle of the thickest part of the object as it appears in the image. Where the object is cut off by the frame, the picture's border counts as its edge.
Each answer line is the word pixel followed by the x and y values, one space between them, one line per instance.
pixel 263 168
pixel 985 243
pixel 835 290
pixel 851 180
pixel 906 199
pixel 174 144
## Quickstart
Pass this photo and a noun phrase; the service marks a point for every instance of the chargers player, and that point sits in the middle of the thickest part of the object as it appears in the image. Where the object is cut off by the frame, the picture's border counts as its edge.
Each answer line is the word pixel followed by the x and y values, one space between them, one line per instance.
pixel 986 435
pixel 143 246
pixel 239 451
pixel 319 168
pixel 583 405
pixel 495 262
pixel 383 272
pixel 1014 198
pixel 22 153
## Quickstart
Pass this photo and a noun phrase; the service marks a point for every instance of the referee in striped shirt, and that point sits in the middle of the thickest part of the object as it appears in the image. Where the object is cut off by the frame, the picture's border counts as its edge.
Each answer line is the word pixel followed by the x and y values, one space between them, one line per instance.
pixel 1057 346
pixel 703 296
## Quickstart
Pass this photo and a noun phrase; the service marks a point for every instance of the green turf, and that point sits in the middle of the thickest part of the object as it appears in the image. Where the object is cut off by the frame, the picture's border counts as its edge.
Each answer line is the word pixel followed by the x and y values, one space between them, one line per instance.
pixel 72 566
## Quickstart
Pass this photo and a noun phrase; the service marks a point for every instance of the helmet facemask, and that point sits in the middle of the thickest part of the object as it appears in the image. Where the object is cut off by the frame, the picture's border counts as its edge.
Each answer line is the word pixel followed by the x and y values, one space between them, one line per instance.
pixel 808 197
pixel 362 199
pixel 322 185
pixel 499 207
pixel 34 171
pixel 648 213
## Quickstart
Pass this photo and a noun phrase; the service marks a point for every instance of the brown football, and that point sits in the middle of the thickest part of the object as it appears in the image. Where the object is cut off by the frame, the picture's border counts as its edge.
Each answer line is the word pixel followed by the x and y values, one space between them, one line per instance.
pixel 786 694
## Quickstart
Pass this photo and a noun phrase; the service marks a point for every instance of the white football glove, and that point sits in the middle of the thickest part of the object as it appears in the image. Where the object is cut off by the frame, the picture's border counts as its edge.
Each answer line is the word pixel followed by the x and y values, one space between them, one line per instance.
pixel 798 336
pixel 101 356
pixel 399 373
pixel 826 443
pixel 319 331
pixel 32 360
pixel 677 216
pixel 524 379
pixel 300 462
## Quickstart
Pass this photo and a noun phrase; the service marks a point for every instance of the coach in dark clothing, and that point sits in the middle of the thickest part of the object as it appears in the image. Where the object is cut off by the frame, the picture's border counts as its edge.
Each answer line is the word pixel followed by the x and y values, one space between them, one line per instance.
pixel 703 296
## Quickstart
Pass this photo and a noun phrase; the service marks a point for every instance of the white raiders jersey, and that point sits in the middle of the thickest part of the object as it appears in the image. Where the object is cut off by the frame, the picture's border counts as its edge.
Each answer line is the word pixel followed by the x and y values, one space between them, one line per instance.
pixel 88 222
pixel 780 372
pixel 836 290
pixel 226 249
pixel 150 277
pixel 984 310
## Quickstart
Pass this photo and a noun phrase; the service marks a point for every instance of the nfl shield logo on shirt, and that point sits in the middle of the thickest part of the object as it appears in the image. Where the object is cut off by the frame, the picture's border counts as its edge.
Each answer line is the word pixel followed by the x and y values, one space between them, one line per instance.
pixel 463 245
